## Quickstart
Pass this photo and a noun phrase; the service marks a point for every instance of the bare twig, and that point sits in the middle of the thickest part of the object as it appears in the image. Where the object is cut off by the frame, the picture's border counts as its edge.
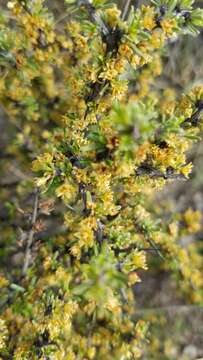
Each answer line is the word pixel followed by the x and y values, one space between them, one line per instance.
pixel 31 233
pixel 94 16
pixel 136 4
pixel 153 245
pixel 66 15
pixel 17 172
pixel 125 9
pixel 134 247
pixel 179 308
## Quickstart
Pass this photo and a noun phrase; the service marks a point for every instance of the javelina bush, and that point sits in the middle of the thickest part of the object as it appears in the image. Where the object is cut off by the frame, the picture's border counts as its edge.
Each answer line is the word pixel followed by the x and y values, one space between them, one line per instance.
pixel 80 92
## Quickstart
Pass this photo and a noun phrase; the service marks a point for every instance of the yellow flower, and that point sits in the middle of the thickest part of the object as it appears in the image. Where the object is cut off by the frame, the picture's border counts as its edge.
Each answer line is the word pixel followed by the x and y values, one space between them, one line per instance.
pixel 66 191
pixel 139 259
pixel 11 4
pixel 43 162
pixel 136 352
pixel 91 352
pixel 3 334
pixel 54 327
pixel 168 107
pixel 157 38
pixel 125 169
pixel 135 60
pixel 173 229
pixel 21 353
pixel 186 170
pixel 113 305
pixel 133 278
pixel 47 263
pixel 69 355
pixel 69 309
pixel 90 307
pixel 76 251
pixel 125 50
pixel 113 15
pixel 109 72
pixel 43 180
pixel 148 19
pixel 196 278
pixel 185 107
pixel 86 237
pixel 196 93
pixel 168 26
pixel 3 281
pixel 119 88
pixel 193 220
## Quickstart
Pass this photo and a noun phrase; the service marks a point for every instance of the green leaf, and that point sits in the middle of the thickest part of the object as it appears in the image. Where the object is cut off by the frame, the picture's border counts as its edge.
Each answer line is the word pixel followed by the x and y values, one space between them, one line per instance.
pixel 197 17
pixel 17 288
pixel 70 2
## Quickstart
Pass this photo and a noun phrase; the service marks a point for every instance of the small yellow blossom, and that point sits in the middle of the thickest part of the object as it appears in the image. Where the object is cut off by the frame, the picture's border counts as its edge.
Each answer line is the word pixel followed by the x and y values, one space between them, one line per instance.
pixel 193 220
pixel 133 278
pixel 3 281
pixel 149 17
pixel 168 26
pixel 3 335
pixel 157 38
pixel 125 50
pixel 139 260
pixel 186 170
pixel 113 15
pixel 113 305
pixel 43 162
pixel 66 191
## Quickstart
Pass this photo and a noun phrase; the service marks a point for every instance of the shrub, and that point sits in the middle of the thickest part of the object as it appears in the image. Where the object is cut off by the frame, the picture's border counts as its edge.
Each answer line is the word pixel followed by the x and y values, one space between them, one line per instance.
pixel 103 140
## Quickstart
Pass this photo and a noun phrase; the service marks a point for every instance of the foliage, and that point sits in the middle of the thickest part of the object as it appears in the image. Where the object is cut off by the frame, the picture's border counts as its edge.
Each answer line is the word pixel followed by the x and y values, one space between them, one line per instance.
pixel 102 141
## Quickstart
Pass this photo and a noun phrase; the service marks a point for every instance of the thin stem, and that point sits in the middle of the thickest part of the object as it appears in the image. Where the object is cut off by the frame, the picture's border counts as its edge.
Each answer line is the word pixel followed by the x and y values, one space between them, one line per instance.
pixel 19 173
pixel 31 233
pixel 94 16
pixel 134 247
pixel 156 249
pixel 170 309
pixel 64 16
pixel 125 9
pixel 136 4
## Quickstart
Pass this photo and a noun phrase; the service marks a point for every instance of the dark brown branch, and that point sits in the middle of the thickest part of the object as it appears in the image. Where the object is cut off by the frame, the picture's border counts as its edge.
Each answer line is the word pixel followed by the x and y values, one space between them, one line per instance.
pixel 133 247
pixel 149 170
pixel 94 16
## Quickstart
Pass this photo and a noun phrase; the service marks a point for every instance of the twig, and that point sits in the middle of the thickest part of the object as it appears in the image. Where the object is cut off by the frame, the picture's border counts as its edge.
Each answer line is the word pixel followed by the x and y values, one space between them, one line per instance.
pixel 170 309
pixel 19 173
pixel 153 245
pixel 25 7
pixel 125 9
pixel 64 16
pixel 94 16
pixel 136 4
pixel 133 247
pixel 31 233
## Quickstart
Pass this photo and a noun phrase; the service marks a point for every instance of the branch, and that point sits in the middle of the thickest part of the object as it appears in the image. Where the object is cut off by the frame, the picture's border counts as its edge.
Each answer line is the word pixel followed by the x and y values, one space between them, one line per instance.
pixel 156 249
pixel 125 9
pixel 170 308
pixel 134 247
pixel 94 16
pixel 31 233
pixel 25 7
